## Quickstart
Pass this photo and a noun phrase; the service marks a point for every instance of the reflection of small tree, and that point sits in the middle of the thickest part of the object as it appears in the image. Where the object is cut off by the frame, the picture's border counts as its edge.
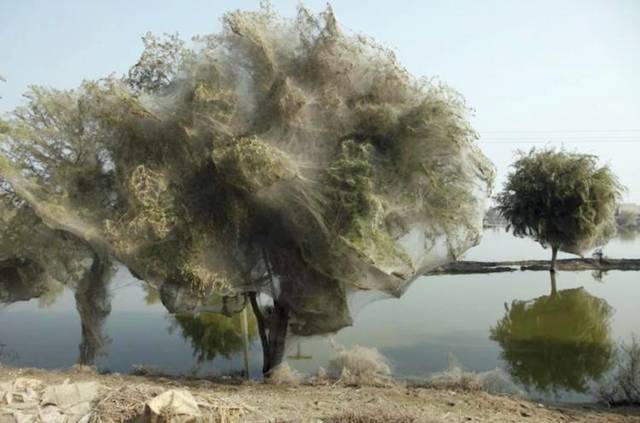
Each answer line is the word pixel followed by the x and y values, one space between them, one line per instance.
pixel 94 306
pixel 213 334
pixel 560 199
pixel 598 275
pixel 560 341
pixel 151 294
pixel 24 280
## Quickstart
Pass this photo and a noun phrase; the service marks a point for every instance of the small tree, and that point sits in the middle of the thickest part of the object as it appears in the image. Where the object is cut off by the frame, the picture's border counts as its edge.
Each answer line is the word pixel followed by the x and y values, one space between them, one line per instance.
pixel 562 200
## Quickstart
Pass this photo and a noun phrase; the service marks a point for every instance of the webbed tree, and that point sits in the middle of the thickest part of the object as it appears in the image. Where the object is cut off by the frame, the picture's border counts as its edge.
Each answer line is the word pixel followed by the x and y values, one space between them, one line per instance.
pixel 557 341
pixel 285 160
pixel 560 199
pixel 37 261
pixel 32 248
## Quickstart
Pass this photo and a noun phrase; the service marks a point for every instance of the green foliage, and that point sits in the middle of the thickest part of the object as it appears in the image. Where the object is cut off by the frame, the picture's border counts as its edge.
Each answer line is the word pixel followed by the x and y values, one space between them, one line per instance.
pixel 357 213
pixel 213 335
pixel 159 63
pixel 560 199
pixel 253 165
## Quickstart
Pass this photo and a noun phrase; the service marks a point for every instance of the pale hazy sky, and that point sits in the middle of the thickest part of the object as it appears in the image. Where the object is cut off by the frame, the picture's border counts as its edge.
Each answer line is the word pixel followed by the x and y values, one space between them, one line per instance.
pixel 546 71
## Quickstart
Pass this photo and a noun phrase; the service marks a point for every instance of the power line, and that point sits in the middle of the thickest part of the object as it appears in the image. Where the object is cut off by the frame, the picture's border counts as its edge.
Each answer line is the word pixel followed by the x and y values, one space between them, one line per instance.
pixel 545 131
pixel 562 141
pixel 563 136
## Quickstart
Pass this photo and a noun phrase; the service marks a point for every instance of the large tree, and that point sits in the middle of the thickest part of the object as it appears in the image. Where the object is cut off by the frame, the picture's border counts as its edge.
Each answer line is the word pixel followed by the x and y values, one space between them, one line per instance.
pixel 279 157
pixel 563 200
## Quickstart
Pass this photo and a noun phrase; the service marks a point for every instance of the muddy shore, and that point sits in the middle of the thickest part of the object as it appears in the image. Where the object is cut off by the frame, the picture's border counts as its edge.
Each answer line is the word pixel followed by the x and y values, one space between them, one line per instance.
pixel 573 264
pixel 122 397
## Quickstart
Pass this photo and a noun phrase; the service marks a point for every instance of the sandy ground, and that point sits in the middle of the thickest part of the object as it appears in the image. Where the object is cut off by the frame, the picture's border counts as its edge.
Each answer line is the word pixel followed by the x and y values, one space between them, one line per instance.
pixel 122 398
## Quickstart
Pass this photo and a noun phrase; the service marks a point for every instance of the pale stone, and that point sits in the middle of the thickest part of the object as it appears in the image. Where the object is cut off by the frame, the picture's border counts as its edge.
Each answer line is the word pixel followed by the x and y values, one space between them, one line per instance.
pixel 175 406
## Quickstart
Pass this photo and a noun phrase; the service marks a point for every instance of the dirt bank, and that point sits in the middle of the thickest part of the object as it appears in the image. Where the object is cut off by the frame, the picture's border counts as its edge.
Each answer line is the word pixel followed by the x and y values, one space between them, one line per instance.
pixel 122 398
pixel 577 264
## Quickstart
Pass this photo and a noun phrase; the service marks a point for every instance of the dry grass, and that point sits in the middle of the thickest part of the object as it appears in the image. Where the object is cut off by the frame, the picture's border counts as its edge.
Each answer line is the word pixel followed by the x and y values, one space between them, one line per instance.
pixel 355 417
pixel 458 379
pixel 623 387
pixel 122 404
pixel 122 397
pixel 360 366
pixel 284 375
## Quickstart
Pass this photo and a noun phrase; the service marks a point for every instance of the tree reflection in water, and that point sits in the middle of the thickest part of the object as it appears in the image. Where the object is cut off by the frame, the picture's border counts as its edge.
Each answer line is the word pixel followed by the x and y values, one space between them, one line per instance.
pixel 93 303
pixel 212 334
pixel 24 280
pixel 560 341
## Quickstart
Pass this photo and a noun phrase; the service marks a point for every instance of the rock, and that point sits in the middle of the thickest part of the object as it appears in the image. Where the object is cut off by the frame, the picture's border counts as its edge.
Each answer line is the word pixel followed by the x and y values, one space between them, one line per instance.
pixel 72 399
pixel 20 391
pixel 29 401
pixel 17 398
pixel 175 406
pixel 51 414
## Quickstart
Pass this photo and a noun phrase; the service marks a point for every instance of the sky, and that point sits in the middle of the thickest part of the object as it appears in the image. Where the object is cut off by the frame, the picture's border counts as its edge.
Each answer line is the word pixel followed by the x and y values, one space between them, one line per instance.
pixel 536 73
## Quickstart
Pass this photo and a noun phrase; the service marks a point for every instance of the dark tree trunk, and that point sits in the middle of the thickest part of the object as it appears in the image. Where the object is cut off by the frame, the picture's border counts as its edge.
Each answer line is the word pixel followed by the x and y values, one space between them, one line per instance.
pixel 554 256
pixel 277 335
pixel 554 290
pixel 262 330
pixel 273 333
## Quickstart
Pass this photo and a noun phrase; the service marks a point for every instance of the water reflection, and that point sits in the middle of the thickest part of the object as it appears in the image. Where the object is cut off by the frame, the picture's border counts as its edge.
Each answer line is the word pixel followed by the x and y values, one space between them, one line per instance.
pixel 213 334
pixel 93 303
pixel 221 326
pixel 556 342
pixel 23 280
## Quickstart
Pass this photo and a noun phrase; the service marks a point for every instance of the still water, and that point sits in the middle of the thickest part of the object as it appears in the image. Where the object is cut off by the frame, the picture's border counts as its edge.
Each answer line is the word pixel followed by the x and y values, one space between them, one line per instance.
pixel 553 344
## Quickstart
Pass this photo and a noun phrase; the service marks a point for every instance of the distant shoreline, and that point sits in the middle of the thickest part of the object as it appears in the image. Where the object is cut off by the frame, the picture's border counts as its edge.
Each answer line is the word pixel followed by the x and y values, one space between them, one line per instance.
pixel 573 264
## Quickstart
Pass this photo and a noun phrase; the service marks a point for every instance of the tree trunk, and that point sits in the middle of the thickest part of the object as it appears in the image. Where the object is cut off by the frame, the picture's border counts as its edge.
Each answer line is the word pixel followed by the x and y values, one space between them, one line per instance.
pixel 277 335
pixel 262 330
pixel 273 333
pixel 554 256
pixel 554 290
pixel 245 342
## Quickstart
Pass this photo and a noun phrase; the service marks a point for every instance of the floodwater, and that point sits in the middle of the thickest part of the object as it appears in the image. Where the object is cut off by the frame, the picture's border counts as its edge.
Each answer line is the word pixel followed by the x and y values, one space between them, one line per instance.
pixel 553 343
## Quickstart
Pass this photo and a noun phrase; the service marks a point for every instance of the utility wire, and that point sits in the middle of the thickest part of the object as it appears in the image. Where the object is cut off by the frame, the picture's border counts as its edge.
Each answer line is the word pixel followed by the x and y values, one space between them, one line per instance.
pixel 545 131
pixel 565 136
pixel 563 141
